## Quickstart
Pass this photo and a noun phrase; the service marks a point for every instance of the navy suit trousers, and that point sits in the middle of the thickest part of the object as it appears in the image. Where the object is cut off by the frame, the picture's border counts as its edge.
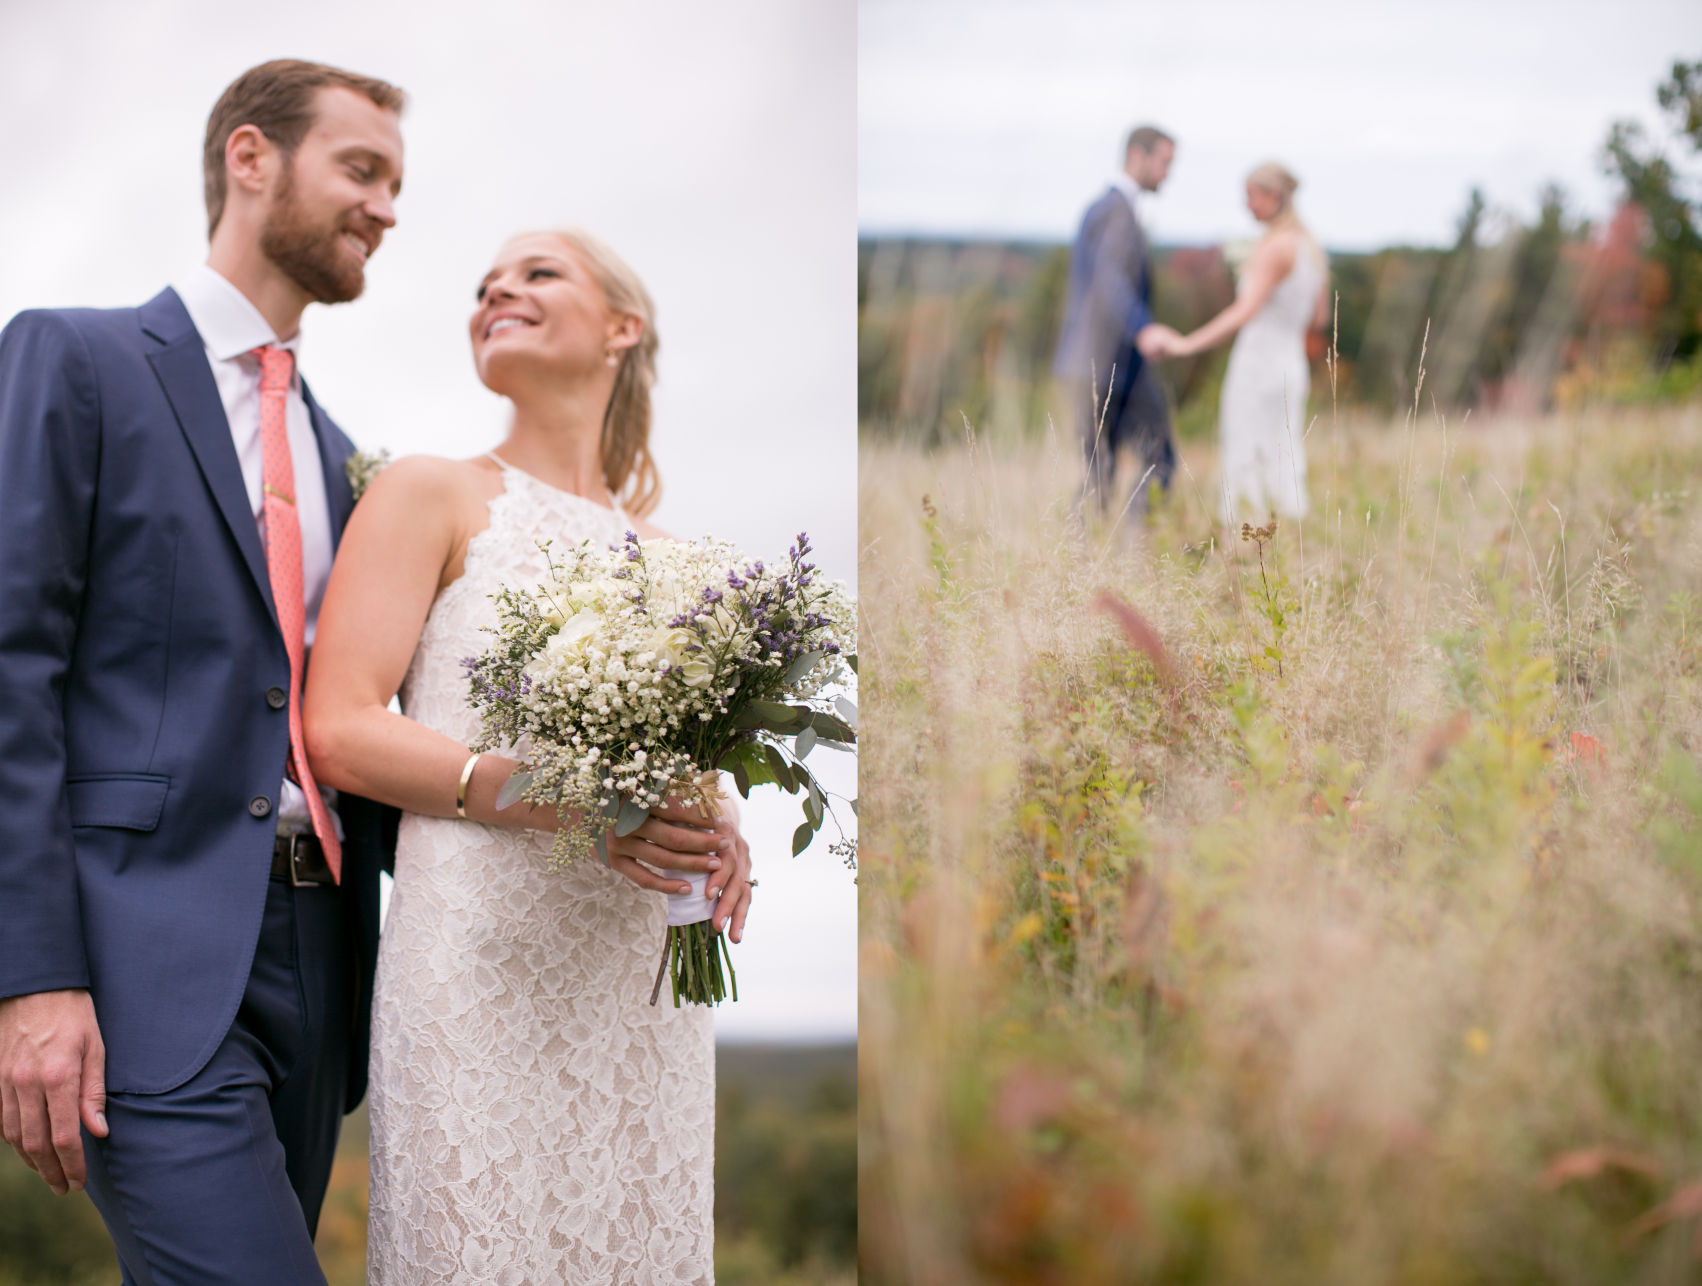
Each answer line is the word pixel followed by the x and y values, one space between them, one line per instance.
pixel 221 1179
pixel 1134 414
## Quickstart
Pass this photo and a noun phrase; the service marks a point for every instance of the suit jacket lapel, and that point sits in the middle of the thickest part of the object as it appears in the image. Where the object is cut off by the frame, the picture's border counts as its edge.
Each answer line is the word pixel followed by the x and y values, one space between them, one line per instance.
pixel 1145 261
pixel 339 495
pixel 181 365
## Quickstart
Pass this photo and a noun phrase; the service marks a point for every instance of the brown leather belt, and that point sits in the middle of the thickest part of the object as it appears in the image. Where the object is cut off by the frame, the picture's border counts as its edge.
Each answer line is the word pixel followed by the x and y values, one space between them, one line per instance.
pixel 300 859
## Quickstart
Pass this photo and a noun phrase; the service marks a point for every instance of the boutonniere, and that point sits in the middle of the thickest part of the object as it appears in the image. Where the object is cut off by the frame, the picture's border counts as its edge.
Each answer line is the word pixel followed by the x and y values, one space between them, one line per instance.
pixel 362 467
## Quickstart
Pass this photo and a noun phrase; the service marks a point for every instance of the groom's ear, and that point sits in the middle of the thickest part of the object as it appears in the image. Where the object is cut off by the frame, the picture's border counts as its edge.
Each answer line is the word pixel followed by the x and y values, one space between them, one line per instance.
pixel 251 159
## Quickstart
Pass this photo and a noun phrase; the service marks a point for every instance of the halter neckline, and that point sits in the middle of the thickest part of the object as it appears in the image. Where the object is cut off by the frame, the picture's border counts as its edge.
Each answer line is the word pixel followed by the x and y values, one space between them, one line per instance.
pixel 614 505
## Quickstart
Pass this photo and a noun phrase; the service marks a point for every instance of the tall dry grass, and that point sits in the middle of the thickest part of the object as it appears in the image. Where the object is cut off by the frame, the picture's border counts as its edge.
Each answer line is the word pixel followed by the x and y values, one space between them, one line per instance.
pixel 1352 932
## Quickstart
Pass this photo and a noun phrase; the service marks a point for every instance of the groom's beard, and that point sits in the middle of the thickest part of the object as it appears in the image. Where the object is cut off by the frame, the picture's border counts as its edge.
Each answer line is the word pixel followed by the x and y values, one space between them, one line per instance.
pixel 308 253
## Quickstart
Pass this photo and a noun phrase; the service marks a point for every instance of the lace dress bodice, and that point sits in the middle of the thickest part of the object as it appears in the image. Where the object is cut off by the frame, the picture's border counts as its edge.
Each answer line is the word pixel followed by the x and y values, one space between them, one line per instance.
pixel 534 1119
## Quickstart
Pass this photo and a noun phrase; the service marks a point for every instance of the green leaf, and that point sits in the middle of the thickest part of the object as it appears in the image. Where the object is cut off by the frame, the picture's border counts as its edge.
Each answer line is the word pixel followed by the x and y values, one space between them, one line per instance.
pixel 772 712
pixel 611 808
pixel 806 742
pixel 852 662
pixel 830 729
pixel 632 816
pixel 602 846
pixel 742 777
pixel 801 838
pixel 513 788
pixel 854 808
pixel 747 718
pixel 800 667
pixel 782 773
pixel 847 709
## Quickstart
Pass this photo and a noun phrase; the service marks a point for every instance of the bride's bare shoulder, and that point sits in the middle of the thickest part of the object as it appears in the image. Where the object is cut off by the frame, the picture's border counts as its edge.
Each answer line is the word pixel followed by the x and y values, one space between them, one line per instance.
pixel 430 478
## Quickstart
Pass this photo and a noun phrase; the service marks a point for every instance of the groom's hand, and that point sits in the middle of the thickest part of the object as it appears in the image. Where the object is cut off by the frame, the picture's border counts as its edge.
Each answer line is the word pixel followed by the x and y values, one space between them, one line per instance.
pixel 1157 342
pixel 52 1075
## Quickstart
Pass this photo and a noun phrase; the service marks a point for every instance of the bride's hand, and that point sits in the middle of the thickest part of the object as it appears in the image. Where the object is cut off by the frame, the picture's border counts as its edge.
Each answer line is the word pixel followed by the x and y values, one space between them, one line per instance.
pixel 678 837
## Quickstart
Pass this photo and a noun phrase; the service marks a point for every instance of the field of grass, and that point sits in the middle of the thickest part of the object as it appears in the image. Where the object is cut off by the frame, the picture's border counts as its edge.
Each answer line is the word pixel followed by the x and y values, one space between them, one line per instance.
pixel 1325 913
pixel 785 1185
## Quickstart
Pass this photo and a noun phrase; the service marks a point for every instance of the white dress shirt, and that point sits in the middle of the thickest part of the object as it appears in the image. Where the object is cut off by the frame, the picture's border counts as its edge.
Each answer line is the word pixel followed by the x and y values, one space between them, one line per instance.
pixel 231 328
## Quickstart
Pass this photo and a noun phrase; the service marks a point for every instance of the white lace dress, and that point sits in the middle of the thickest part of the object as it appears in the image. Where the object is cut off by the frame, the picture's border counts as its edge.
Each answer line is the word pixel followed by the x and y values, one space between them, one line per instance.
pixel 1262 413
pixel 534 1119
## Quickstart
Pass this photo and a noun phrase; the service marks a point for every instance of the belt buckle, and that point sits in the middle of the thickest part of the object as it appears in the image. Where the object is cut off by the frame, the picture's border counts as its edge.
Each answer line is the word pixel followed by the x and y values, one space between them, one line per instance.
pixel 296 880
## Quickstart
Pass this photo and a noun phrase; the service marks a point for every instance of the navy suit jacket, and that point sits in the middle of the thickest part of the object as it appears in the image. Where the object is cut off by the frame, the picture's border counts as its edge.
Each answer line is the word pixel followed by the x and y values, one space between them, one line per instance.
pixel 1110 295
pixel 137 642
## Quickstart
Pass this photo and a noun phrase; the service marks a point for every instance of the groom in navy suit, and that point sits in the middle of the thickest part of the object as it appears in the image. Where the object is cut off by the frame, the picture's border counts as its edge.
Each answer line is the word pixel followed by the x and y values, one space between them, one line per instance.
pixel 187 923
pixel 1108 339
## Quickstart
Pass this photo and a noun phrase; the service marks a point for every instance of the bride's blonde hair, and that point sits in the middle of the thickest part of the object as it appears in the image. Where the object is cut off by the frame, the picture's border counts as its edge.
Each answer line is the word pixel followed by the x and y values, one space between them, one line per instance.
pixel 1279 181
pixel 629 471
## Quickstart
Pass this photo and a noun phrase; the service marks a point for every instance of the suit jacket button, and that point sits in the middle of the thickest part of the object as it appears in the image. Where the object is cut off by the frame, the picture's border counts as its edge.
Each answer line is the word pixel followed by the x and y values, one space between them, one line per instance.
pixel 277 698
pixel 260 806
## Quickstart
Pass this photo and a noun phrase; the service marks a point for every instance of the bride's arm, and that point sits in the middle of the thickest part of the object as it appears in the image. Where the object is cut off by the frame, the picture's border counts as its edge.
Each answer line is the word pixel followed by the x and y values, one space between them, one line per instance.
pixel 1271 262
pixel 395 554
pixel 407 539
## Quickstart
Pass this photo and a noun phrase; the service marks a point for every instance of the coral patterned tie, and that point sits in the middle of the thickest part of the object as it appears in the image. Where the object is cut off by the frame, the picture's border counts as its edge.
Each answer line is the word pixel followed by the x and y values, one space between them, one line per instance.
pixel 283 564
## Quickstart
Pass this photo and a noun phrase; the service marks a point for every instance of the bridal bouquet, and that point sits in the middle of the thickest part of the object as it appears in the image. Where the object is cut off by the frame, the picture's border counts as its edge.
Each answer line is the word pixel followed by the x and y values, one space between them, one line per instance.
pixel 635 672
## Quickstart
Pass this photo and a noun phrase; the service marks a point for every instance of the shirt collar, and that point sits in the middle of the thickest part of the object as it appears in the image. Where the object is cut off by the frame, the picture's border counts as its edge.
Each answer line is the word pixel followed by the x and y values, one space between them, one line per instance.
pixel 1131 193
pixel 229 324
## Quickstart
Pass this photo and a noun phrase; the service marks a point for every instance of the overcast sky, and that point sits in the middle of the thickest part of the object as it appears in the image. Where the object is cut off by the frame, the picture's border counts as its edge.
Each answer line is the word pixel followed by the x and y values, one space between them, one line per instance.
pixel 714 146
pixel 1005 117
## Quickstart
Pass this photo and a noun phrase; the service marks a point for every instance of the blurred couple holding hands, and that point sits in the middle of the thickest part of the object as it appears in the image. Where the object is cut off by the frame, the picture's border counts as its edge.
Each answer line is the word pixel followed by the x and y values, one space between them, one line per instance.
pixel 1110 342
pixel 196 818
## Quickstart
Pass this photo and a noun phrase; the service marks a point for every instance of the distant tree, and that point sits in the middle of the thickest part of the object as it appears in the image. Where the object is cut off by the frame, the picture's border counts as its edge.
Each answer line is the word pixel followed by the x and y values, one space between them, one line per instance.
pixel 1653 184
pixel 1680 95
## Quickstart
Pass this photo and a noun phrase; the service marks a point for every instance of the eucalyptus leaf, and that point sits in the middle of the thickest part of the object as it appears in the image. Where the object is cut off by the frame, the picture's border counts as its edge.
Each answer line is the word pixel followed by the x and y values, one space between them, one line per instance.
pixel 806 742
pixel 632 816
pixel 772 712
pixel 801 838
pixel 802 666
pixel 741 778
pixel 847 708
pixel 831 729
pixel 602 846
pixel 611 808
pixel 828 743
pixel 747 718
pixel 781 770
pixel 852 662
pixel 512 790
pixel 854 808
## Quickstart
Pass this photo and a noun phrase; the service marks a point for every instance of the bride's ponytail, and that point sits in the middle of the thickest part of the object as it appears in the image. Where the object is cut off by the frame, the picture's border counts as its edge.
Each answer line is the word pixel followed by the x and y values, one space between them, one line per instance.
pixel 628 469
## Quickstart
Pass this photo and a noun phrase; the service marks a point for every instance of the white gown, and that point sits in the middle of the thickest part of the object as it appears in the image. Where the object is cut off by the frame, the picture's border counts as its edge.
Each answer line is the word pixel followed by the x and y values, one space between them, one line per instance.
pixel 534 1119
pixel 1262 411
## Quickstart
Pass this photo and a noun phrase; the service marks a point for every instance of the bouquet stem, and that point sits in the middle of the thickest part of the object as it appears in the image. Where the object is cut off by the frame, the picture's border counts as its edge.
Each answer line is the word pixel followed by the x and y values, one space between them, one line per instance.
pixel 691 957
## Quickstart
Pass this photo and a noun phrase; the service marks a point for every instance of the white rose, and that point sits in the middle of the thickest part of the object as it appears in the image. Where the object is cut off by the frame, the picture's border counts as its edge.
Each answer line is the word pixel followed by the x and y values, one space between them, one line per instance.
pixel 698 671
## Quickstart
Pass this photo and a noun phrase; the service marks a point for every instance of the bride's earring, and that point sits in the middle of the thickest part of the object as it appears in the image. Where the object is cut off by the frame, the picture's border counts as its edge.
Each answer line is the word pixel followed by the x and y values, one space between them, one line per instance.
pixel 610 357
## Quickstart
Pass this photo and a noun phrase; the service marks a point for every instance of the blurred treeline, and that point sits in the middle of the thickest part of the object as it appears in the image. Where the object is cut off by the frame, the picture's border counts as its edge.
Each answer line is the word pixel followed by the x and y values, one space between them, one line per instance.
pixel 785 1185
pixel 1512 316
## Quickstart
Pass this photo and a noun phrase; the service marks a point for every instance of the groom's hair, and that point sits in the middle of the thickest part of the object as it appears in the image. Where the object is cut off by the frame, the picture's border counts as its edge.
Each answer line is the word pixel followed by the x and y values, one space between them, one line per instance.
pixel 1146 137
pixel 277 99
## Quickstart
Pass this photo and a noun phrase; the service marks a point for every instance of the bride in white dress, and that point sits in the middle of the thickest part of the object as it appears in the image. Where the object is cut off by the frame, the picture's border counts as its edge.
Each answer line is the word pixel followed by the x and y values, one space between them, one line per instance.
pixel 1282 293
pixel 534 1118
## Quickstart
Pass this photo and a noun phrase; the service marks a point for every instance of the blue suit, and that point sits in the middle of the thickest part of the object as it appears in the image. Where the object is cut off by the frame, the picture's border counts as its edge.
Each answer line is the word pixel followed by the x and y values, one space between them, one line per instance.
pixel 140 761
pixel 1116 396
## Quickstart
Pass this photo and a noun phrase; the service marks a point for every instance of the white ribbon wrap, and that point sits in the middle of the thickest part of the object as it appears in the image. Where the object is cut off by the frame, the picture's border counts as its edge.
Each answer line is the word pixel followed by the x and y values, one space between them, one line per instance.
pixel 689 908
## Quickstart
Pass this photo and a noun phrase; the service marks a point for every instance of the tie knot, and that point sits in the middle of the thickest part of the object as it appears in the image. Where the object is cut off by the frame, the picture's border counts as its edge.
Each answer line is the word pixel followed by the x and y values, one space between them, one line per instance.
pixel 276 367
